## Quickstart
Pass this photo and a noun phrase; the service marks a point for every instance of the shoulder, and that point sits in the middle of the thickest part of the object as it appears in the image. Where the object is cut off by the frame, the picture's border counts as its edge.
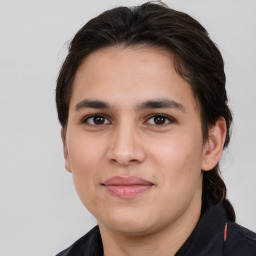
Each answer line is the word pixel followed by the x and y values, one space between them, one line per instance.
pixel 240 241
pixel 89 244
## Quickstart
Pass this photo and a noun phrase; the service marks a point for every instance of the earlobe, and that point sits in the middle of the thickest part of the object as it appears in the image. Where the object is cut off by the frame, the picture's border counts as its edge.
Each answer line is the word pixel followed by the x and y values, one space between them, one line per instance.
pixel 65 151
pixel 213 147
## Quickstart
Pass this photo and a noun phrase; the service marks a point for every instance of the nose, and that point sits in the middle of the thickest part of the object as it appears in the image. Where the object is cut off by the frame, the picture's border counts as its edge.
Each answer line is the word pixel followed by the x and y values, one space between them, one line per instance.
pixel 126 147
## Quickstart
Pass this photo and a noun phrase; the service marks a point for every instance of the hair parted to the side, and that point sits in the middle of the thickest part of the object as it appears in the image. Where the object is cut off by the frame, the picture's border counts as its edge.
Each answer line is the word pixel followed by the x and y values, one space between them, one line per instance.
pixel 196 59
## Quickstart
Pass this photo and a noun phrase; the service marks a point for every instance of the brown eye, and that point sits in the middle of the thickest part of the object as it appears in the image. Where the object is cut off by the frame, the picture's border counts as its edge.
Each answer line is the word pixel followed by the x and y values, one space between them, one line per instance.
pixel 97 120
pixel 160 120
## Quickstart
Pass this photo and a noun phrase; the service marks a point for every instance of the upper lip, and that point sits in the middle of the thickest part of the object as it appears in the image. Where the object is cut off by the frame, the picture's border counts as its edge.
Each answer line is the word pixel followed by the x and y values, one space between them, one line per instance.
pixel 126 181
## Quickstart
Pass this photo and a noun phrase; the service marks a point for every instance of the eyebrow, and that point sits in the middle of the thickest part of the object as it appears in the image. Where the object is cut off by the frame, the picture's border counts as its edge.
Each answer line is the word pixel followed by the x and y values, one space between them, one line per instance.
pixel 161 103
pixel 92 104
pixel 149 104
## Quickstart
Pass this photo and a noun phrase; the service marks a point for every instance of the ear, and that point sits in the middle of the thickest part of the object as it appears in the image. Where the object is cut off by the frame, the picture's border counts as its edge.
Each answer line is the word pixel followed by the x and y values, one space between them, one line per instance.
pixel 65 151
pixel 213 147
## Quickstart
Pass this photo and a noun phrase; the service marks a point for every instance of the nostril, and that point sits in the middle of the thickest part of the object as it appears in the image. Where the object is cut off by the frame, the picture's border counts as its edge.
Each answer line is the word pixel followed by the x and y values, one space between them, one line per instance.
pixel 124 162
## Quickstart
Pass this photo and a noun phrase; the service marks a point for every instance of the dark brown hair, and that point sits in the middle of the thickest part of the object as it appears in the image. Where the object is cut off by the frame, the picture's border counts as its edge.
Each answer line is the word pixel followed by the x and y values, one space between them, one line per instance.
pixel 197 60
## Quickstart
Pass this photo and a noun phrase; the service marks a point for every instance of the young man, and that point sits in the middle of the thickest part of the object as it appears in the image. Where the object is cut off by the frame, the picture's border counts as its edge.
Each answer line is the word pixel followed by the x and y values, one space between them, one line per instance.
pixel 142 103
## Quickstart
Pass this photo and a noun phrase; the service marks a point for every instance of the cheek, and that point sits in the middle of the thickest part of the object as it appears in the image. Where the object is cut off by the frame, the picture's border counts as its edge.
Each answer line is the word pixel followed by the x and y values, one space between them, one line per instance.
pixel 179 149
pixel 179 161
pixel 85 152
pixel 85 157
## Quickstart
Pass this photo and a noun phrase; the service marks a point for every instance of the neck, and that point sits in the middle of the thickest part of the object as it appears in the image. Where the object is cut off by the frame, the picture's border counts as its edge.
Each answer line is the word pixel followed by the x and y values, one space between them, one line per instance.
pixel 165 241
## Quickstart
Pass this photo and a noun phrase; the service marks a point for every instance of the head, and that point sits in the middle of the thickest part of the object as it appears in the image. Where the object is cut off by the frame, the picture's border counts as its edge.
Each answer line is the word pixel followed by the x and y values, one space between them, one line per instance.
pixel 155 29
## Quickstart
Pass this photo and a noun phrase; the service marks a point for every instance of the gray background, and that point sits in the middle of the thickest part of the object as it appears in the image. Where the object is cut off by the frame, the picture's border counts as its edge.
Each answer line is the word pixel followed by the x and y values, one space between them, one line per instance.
pixel 40 213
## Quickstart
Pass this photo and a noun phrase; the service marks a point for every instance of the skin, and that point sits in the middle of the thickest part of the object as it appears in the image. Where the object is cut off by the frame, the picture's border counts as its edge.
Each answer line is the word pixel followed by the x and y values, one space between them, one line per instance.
pixel 129 142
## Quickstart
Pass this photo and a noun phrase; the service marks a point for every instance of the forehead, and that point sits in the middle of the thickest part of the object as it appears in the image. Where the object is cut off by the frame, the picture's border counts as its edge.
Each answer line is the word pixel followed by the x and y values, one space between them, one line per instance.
pixel 129 76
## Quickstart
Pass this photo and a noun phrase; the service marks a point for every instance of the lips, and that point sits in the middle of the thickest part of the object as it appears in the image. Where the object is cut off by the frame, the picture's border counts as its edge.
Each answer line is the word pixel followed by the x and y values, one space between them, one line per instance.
pixel 127 187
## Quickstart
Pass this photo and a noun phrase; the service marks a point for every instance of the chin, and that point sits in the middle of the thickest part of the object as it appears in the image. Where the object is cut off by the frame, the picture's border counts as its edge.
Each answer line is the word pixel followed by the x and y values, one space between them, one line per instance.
pixel 127 223
pixel 131 228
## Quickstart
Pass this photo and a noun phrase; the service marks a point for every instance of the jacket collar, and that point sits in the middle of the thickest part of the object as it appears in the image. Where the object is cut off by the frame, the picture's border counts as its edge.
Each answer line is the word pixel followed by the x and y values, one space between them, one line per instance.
pixel 208 236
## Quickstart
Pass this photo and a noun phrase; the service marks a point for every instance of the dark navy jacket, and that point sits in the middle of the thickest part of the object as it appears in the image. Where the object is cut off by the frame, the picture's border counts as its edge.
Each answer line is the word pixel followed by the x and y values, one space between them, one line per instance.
pixel 214 235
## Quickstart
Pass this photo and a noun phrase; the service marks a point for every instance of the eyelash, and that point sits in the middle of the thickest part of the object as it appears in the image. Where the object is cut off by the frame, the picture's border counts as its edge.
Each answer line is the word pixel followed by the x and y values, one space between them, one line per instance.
pixel 166 118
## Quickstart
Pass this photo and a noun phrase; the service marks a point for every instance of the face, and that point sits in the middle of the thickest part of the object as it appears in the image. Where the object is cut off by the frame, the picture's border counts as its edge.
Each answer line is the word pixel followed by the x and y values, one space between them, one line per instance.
pixel 134 140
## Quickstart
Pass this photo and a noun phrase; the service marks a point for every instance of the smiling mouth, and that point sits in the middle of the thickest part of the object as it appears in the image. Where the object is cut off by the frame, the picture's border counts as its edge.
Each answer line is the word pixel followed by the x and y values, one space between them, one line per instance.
pixel 127 187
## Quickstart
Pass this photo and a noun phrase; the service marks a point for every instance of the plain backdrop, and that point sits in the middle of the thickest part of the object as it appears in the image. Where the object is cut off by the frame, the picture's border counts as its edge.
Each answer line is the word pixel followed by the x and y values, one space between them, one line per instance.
pixel 40 213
